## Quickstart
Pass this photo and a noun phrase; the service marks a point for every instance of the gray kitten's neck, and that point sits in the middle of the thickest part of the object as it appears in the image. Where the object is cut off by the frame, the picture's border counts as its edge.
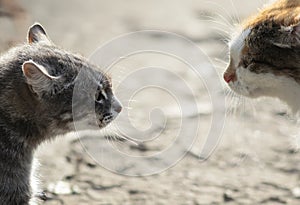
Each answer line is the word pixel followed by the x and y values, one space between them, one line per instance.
pixel 15 166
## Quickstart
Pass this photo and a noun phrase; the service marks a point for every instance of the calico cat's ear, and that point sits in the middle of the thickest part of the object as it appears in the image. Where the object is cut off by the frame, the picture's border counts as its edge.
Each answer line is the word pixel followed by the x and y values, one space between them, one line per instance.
pixel 37 77
pixel 37 34
pixel 296 30
pixel 289 37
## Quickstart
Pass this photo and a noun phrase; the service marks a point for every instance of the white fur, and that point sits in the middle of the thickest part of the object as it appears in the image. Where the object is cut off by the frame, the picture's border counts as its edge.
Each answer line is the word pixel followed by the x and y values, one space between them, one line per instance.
pixel 236 46
pixel 256 85
pixel 35 182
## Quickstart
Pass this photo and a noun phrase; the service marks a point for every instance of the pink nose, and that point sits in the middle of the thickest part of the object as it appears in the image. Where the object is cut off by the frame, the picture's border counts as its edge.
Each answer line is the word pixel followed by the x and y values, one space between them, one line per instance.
pixel 228 77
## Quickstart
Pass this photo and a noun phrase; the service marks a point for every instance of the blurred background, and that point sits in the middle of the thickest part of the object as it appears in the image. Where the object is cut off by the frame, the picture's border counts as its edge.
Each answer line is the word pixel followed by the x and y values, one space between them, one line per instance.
pixel 256 160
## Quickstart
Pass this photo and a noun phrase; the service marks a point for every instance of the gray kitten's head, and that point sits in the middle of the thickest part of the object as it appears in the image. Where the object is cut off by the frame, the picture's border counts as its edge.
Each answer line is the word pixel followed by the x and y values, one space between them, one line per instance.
pixel 40 83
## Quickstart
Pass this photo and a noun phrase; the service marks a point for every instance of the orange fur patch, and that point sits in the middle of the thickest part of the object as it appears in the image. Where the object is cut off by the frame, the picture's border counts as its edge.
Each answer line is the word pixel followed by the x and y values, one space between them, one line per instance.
pixel 283 12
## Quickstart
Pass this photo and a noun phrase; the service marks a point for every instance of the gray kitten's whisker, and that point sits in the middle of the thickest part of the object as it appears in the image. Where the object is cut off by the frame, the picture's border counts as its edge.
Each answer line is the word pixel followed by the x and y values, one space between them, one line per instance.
pixel 130 100
pixel 125 137
pixel 128 108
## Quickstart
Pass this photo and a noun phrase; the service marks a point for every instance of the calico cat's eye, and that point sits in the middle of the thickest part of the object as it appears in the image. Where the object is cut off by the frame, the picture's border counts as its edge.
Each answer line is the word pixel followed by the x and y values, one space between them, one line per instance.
pixel 245 62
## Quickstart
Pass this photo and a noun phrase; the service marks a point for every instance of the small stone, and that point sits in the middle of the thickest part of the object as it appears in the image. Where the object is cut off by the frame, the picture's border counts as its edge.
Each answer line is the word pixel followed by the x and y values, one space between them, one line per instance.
pixel 63 188
pixel 133 191
pixel 227 196
pixel 296 192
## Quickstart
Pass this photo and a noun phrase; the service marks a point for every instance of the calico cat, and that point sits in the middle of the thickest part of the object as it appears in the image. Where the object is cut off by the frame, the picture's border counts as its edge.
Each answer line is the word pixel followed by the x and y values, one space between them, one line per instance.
pixel 265 54
pixel 37 80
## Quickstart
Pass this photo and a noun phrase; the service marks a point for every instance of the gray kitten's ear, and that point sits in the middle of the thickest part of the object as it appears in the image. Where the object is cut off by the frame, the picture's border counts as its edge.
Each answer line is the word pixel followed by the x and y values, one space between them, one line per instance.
pixel 37 77
pixel 37 34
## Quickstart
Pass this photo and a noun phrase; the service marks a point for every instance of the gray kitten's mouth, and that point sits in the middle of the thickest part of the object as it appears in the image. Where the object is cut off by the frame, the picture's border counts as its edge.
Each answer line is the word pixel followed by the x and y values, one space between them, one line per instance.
pixel 105 120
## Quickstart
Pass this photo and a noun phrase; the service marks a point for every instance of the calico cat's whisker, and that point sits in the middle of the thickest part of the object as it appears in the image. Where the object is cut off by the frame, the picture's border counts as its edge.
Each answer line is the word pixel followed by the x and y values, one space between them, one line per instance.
pixel 242 104
pixel 230 25
pixel 218 25
pixel 229 101
pixel 236 14
pixel 251 104
pixel 220 67
pixel 213 20
pixel 219 60
pixel 222 32
pixel 236 104
pixel 226 40
pixel 222 10
pixel 228 92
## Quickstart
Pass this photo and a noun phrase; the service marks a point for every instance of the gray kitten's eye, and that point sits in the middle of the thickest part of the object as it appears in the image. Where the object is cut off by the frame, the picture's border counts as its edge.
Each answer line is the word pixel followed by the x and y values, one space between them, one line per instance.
pixel 100 96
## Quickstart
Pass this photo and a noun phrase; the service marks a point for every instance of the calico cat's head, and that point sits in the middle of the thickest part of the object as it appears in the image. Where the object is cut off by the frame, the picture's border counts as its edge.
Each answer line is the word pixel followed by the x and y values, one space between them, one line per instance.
pixel 265 55
pixel 43 94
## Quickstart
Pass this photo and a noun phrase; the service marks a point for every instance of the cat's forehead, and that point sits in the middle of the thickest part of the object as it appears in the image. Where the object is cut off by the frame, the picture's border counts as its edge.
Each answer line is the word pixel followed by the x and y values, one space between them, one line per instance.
pixel 102 79
pixel 237 44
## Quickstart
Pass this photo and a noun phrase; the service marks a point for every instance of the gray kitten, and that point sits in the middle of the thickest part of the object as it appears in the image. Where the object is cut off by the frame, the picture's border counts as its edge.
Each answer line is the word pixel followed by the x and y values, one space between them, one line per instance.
pixel 37 80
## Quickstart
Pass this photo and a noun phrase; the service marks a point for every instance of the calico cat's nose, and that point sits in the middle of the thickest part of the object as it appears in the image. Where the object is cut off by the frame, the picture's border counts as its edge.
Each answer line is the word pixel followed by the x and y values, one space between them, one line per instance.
pixel 228 77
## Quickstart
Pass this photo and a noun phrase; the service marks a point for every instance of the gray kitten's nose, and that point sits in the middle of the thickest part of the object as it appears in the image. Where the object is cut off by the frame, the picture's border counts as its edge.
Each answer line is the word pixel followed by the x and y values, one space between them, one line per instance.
pixel 116 105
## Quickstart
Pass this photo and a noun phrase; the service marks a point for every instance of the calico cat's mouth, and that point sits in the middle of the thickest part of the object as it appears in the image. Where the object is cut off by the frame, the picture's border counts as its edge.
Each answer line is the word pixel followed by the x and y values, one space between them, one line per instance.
pixel 248 91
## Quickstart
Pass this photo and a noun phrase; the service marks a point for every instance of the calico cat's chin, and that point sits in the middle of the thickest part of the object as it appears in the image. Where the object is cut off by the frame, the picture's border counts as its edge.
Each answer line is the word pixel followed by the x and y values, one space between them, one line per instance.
pixel 252 85
pixel 248 84
pixel 245 91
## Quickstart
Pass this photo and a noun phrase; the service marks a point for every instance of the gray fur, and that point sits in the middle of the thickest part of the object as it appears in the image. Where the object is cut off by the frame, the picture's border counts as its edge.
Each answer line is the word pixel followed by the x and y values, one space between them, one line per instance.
pixel 30 108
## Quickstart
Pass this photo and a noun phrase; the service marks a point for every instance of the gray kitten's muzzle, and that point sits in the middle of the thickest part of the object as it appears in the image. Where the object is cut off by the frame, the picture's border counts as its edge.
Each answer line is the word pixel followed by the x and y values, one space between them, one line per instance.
pixel 116 105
